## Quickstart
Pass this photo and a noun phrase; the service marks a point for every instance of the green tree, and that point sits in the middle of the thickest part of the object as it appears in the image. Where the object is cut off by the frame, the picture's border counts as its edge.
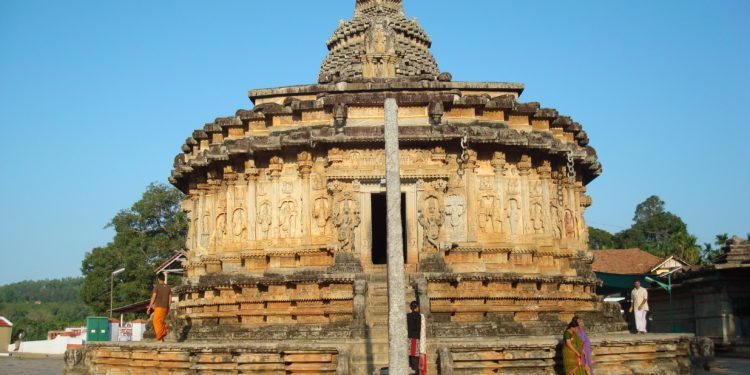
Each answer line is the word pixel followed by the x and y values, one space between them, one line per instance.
pixel 686 246
pixel 709 253
pixel 721 240
pixel 659 232
pixel 600 239
pixel 145 236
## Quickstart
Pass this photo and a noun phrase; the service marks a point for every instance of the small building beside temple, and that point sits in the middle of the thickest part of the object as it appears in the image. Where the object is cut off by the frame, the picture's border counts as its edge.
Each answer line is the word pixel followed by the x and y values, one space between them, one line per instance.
pixel 6 331
pixel 710 301
pixel 619 268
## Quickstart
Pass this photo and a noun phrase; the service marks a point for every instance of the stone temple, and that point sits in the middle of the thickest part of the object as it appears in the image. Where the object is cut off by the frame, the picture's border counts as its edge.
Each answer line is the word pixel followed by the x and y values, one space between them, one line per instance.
pixel 286 204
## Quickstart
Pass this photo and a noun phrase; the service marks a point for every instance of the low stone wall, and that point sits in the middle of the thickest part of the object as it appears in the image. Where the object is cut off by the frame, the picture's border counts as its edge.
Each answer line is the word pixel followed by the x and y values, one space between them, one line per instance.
pixel 201 358
pixel 614 354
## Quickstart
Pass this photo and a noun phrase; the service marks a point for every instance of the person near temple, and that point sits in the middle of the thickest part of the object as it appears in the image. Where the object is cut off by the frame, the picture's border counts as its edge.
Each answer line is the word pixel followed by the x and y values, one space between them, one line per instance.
pixel 639 306
pixel 160 300
pixel 417 332
pixel 576 349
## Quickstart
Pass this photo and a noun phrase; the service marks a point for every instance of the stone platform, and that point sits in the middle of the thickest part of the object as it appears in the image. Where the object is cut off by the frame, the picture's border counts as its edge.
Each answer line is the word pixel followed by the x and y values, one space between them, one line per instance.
pixel 613 354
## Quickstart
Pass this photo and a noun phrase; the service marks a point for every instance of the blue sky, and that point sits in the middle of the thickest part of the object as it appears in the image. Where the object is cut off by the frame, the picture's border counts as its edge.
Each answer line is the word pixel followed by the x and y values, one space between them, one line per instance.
pixel 96 98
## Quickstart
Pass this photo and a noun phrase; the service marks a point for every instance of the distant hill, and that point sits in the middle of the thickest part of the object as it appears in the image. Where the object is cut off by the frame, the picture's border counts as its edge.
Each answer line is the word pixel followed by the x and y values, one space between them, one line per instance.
pixel 58 290
pixel 44 305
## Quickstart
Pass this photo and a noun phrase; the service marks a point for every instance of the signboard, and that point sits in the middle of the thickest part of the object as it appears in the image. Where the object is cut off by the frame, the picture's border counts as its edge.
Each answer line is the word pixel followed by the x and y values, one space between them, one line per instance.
pixel 126 333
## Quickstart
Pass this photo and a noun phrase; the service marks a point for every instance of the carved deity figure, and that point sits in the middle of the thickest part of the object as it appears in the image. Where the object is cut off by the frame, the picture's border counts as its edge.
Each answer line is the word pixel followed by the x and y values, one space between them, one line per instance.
pixel 322 214
pixel 264 219
pixel 537 218
pixel 220 230
pixel 455 209
pixel 288 218
pixel 555 213
pixel 490 220
pixel 431 219
pixel 514 217
pixel 346 219
pixel 570 224
pixel 205 230
pixel 191 235
pixel 318 182
pixel 239 223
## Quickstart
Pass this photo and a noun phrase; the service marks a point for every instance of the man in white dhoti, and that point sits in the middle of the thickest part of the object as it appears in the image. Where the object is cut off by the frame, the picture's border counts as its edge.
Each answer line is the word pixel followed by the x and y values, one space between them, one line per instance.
pixel 639 306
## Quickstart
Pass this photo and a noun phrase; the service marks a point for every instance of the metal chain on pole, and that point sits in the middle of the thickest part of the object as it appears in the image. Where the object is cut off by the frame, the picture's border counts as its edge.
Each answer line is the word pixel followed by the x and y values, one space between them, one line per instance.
pixel 464 158
pixel 570 168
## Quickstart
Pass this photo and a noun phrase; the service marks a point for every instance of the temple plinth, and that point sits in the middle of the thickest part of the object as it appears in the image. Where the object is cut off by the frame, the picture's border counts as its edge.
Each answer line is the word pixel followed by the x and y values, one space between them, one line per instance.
pixel 287 222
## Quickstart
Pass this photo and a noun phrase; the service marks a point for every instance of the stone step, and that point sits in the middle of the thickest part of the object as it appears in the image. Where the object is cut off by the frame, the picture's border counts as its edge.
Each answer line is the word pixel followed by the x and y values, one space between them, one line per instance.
pixel 378 320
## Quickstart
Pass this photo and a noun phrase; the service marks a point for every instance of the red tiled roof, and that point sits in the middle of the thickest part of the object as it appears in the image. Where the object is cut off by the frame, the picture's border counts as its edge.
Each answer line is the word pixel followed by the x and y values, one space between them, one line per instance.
pixel 5 322
pixel 624 261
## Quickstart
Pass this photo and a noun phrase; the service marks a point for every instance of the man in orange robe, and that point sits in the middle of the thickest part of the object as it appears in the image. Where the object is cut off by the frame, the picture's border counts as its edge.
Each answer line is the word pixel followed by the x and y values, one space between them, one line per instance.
pixel 160 299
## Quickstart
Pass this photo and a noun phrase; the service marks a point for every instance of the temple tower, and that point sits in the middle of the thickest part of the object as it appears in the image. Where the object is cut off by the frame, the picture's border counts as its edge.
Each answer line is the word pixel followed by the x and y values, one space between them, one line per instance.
pixel 378 43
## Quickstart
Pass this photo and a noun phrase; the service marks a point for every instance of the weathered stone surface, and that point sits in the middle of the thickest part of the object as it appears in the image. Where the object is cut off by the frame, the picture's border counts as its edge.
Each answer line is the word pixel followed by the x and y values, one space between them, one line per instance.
pixel 285 250
pixel 379 43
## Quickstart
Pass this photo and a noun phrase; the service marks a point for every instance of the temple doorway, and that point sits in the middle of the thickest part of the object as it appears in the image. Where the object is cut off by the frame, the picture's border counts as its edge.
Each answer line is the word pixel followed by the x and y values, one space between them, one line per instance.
pixel 380 227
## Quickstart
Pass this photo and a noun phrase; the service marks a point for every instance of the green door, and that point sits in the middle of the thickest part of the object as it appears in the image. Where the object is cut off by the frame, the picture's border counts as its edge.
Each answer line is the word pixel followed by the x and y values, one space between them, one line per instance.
pixel 97 328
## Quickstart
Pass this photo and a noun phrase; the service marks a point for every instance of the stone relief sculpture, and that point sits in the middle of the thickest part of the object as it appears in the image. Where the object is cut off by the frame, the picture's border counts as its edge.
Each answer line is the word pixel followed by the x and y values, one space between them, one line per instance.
pixel 264 219
pixel 537 218
pixel 239 224
pixel 431 219
pixel 346 219
pixel 322 214
pixel 514 217
pixel 288 218
pixel 555 220
pixel 318 182
pixel 205 227
pixel 490 214
pixel 220 230
pixel 570 224
pixel 455 210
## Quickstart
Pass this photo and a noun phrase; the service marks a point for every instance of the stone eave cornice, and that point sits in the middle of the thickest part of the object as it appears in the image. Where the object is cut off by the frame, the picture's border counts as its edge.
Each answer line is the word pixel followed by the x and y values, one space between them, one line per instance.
pixel 231 280
pixel 383 86
pixel 508 277
pixel 479 132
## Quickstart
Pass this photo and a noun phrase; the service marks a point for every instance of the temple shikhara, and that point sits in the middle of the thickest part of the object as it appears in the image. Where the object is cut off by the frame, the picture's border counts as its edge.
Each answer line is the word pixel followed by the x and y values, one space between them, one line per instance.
pixel 286 269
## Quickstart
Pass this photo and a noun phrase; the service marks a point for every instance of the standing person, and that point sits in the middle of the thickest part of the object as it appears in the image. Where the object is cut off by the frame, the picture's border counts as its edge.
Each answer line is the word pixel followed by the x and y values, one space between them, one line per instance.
pixel 576 358
pixel 417 333
pixel 588 360
pixel 639 306
pixel 160 300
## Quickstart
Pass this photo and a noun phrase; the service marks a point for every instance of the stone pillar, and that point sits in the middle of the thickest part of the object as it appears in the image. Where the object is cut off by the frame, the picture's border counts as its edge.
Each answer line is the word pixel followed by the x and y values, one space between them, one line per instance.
pixel 471 191
pixel 305 164
pixel 275 167
pixel 445 361
pixel 251 175
pixel 397 343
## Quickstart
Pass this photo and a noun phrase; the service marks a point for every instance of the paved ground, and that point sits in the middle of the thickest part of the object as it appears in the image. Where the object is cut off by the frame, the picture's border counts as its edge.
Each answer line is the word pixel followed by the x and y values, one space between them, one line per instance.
pixel 35 366
pixel 728 366
pixel 21 366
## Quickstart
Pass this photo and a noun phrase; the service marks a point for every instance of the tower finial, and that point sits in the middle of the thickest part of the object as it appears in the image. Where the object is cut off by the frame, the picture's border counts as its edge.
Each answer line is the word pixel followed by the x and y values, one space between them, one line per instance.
pixel 371 7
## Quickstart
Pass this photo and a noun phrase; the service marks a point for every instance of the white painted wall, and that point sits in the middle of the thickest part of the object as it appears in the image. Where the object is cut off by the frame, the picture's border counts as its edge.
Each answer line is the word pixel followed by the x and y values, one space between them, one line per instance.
pixel 56 346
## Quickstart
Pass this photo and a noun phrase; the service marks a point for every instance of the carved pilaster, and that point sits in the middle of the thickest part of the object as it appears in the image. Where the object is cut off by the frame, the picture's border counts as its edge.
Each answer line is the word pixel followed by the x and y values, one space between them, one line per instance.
pixel 305 166
pixel 251 177
pixel 471 189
